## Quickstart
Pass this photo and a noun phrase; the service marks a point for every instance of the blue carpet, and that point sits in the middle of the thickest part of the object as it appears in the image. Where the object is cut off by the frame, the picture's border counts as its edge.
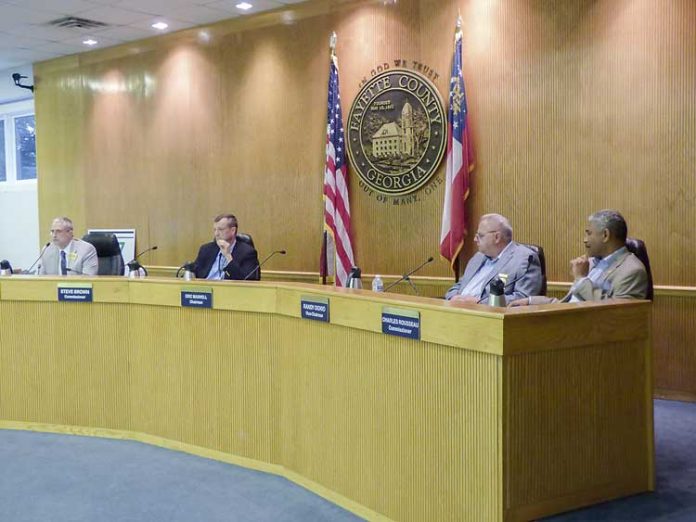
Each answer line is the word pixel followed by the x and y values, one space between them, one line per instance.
pixel 61 478
pixel 674 498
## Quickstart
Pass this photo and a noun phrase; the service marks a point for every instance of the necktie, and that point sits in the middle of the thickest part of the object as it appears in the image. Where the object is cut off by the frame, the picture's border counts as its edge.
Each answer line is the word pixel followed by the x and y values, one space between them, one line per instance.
pixel 63 263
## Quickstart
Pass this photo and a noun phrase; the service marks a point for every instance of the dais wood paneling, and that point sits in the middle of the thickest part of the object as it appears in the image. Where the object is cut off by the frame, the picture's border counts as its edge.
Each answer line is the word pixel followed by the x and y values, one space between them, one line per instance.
pixel 574 106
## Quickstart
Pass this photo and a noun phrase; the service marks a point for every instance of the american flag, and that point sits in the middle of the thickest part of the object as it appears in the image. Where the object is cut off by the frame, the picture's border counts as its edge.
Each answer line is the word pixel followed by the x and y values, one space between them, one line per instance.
pixel 337 250
pixel 460 162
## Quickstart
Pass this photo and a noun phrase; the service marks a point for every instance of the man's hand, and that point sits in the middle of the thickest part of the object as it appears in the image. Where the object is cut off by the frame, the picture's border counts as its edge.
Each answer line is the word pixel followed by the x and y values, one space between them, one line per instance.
pixel 225 248
pixel 580 267
pixel 465 299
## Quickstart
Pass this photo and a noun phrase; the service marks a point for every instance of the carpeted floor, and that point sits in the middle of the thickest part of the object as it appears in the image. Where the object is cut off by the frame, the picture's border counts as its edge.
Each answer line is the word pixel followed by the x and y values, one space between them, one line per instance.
pixel 61 478
pixel 674 499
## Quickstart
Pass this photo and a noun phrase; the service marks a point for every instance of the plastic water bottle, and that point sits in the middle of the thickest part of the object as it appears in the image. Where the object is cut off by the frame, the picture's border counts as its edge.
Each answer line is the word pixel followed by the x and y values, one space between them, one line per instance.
pixel 377 284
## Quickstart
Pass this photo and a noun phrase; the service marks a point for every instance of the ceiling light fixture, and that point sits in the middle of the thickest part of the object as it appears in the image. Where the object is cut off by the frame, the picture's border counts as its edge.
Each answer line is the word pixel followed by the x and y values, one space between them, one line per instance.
pixel 160 26
pixel 90 42
pixel 244 6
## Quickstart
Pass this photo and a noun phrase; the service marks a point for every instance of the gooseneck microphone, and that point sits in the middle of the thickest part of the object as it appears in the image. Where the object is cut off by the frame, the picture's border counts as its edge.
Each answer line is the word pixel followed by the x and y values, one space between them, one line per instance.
pixel 43 251
pixel 143 252
pixel 134 265
pixel 281 252
pixel 407 277
pixel 189 266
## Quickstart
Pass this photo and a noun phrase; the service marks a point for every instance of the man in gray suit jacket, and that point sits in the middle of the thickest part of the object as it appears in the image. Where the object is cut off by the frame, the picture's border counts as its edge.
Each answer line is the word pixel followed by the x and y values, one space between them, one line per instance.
pixel 498 256
pixel 608 270
pixel 66 255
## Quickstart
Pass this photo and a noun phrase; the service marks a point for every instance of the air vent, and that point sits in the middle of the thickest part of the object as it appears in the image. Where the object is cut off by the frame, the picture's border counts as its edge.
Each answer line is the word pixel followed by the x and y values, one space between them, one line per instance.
pixel 74 22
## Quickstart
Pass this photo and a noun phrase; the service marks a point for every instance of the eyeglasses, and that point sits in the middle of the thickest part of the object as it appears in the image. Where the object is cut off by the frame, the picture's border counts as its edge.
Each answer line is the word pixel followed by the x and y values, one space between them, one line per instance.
pixel 479 235
pixel 59 230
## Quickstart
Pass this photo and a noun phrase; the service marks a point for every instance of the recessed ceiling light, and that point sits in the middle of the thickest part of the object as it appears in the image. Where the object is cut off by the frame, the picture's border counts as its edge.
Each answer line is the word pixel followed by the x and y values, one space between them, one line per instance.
pixel 160 26
pixel 244 6
pixel 90 42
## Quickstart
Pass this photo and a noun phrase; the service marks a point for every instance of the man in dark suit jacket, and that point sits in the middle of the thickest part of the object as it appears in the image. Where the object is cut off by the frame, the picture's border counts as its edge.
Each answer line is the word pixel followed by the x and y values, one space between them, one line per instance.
pixel 498 256
pixel 227 257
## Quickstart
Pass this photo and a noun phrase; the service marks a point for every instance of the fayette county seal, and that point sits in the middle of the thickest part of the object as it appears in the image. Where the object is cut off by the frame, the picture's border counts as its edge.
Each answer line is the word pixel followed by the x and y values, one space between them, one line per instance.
pixel 396 132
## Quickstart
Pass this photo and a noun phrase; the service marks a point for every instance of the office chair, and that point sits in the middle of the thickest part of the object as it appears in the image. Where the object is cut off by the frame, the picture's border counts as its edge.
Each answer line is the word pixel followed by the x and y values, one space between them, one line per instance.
pixel 637 248
pixel 108 253
pixel 539 251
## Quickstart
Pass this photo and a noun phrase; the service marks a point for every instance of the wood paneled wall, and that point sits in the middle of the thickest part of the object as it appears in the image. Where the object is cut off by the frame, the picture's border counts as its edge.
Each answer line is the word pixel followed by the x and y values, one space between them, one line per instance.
pixel 575 106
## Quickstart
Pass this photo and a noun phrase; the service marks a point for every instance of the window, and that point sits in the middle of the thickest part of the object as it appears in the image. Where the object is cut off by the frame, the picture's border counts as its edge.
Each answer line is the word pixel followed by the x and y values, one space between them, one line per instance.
pixel 25 146
pixel 17 144
pixel 3 175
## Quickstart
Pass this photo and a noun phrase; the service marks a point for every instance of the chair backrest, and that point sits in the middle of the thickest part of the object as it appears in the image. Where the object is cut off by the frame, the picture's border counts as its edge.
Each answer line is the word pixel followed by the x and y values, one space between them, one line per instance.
pixel 539 251
pixel 245 238
pixel 637 248
pixel 108 253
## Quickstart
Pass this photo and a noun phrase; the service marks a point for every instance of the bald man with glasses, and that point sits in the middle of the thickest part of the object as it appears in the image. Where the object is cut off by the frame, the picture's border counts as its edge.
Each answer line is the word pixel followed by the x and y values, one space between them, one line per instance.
pixel 66 255
pixel 498 256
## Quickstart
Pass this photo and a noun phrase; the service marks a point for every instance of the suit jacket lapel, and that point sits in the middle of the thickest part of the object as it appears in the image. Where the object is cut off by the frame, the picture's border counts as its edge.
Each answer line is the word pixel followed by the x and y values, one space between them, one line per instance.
pixel 472 268
pixel 499 267
pixel 612 268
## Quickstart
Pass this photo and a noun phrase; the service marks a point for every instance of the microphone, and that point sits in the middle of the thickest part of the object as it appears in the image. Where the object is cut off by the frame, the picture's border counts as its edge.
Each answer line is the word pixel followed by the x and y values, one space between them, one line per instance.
pixel 189 266
pixel 134 265
pixel 406 277
pixel 43 251
pixel 281 252
pixel 143 252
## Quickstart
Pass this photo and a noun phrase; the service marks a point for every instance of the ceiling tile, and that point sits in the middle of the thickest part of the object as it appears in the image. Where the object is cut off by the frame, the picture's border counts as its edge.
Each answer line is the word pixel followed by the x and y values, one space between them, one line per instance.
pixel 115 15
pixel 65 7
pixel 201 14
pixel 23 22
pixel 257 6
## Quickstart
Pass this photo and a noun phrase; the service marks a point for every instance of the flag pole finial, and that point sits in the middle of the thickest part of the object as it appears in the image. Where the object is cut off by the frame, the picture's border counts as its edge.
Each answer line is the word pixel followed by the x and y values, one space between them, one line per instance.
pixel 332 43
pixel 459 20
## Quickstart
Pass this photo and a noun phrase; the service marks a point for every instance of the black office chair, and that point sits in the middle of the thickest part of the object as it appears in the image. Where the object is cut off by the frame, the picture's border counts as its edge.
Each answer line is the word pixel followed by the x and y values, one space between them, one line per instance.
pixel 246 238
pixel 108 253
pixel 637 248
pixel 539 251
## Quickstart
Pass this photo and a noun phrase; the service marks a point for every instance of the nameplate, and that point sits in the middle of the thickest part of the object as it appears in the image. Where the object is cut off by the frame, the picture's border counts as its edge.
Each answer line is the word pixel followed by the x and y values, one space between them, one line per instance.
pixel 315 308
pixel 197 297
pixel 75 292
pixel 401 322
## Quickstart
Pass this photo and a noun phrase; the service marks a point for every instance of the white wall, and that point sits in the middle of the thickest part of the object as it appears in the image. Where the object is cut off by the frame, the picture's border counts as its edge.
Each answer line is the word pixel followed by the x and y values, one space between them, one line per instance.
pixel 19 208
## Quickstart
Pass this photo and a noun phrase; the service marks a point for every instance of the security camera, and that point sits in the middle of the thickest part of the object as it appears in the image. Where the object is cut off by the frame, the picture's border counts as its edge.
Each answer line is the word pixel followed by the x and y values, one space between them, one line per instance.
pixel 18 81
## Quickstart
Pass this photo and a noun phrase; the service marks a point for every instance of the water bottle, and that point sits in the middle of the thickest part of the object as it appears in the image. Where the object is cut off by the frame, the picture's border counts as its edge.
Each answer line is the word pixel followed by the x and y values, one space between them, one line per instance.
pixel 377 284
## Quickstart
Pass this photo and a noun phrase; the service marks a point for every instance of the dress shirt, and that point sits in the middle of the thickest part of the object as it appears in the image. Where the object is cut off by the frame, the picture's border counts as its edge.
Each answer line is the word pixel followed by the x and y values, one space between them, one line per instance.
pixel 482 275
pixel 217 271
pixel 598 270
